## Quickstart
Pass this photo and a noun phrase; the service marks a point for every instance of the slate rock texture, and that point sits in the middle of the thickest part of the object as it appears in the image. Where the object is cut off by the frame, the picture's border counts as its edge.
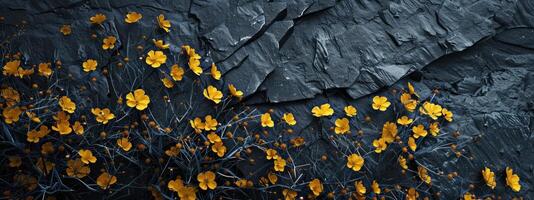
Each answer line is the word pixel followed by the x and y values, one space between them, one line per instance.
pixel 475 57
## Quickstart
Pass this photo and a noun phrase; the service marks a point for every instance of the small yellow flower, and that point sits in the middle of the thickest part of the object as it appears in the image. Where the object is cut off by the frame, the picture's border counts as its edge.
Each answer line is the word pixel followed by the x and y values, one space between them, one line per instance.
pixel 124 144
pixel 355 162
pixel 272 177
pixel 177 73
pixel 469 196
pixel 11 115
pixel 376 187
pixel 105 180
pixel 350 111
pixel 210 123
pixel 279 164
pixel 360 188
pixel 175 185
pixel 412 144
pixel 67 104
pixel 155 58
pixel 78 128
pixel 214 138
pixel 219 149
pixel 102 115
pixel 316 187
pixel 197 125
pixel 412 194
pixel 33 117
pixel 99 18
pixel 447 114
pixel 206 180
pixel 63 127
pixel 213 94
pixel 15 161
pixel 35 135
pixel 322 111
pixel 434 128
pixel 432 110
pixel 409 103
pixel 87 156
pixel 76 168
pixel 109 42
pixel 164 24
pixel 65 30
pixel 402 162
pixel 380 145
pixel 89 65
pixel 271 154
pixel 266 120
pixel 512 180
pixel 215 73
pixel 44 69
pixel 234 92
pixel 342 126
pixel 138 99
pixel 404 120
pixel 423 175
pixel 380 103
pixel 489 177
pixel 187 193
pixel 289 119
pixel 419 131
pixel 160 44
pixel 167 82
pixel 289 194
pixel 244 183
pixel 389 132
pixel 132 17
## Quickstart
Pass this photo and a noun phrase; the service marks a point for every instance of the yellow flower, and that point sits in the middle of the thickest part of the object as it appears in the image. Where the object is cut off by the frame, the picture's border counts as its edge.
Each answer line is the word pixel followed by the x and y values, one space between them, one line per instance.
pixel 323 110
pixel 167 82
pixel 355 162
pixel 11 115
pixel 206 180
pixel 389 132
pixel 409 103
pixel 15 161
pixel 194 64
pixel 279 164
pixel 289 119
pixel 244 183
pixel 197 124
pixel 109 42
pixel 412 90
pixel 44 69
pixel 350 111
pixel 87 156
pixel 76 168
pixel 419 131
pixel 469 196
pixel 89 65
pixel 512 180
pixel 132 17
pixel 219 149
pixel 66 104
pixel 63 127
pixel 412 144
pixel 33 117
pixel 402 162
pixel 177 73
pixel 215 73
pixel 316 187
pixel 289 194
pixel 210 124
pixel 412 194
pixel 430 109
pixel 35 135
pixel 137 99
pixel 447 114
pixel 423 174
pixel 266 120
pixel 360 188
pixel 380 103
pixel 13 68
pixel 213 94
pixel 272 177
pixel 124 144
pixel 404 120
pixel 77 128
pixel 376 187
pixel 175 185
pixel 155 58
pixel 164 24
pixel 105 180
pixel 187 193
pixel 214 138
pixel 11 96
pixel 99 18
pixel 271 154
pixel 234 92
pixel 47 148
pixel 342 126
pixel 489 177
pixel 65 29
pixel 102 115
pixel 434 128
pixel 380 145
pixel 160 44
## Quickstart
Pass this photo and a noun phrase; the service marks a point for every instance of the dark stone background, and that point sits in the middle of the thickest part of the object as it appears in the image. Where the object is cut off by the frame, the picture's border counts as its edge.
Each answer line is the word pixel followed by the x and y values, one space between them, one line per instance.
pixel 291 55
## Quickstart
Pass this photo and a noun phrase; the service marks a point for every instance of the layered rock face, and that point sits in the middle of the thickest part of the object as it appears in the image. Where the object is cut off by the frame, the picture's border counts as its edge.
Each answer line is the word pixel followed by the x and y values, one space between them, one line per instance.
pixel 472 57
